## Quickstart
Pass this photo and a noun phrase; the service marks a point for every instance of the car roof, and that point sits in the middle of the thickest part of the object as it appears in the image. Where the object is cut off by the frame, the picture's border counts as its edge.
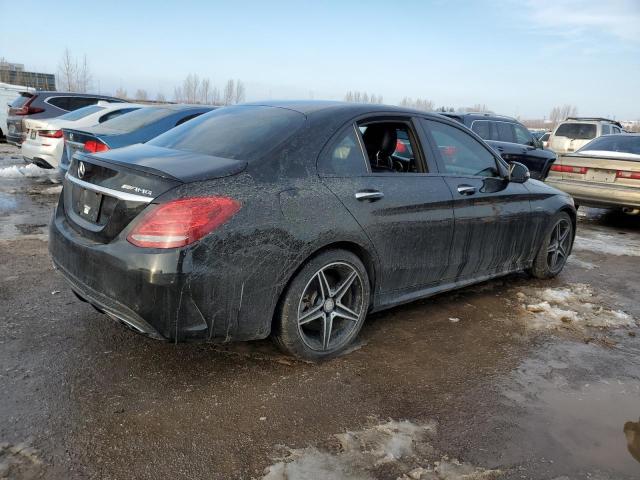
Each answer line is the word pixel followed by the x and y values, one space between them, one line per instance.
pixel 479 115
pixel 591 120
pixel 311 107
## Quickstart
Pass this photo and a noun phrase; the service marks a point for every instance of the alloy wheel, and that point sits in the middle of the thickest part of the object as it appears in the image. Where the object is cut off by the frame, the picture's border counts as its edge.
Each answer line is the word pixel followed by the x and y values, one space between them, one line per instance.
pixel 330 307
pixel 559 245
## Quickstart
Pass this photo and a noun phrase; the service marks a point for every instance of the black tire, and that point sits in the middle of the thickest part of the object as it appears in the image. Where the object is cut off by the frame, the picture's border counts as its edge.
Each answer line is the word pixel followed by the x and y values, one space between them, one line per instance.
pixel 544 265
pixel 305 299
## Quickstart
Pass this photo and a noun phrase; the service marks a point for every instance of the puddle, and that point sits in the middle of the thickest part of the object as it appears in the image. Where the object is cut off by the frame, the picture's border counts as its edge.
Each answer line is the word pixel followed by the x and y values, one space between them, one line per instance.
pixel 575 413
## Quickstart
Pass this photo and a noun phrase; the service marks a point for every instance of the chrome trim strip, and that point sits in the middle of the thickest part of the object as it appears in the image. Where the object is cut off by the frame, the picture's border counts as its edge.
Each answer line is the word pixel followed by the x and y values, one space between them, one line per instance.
pixel 129 197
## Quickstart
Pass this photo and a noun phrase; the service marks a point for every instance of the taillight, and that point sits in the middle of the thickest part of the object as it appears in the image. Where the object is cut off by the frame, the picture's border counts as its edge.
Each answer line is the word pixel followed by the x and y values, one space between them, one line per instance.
pixel 400 147
pixel 93 146
pixel 181 222
pixel 26 109
pixel 569 169
pixel 50 133
pixel 627 174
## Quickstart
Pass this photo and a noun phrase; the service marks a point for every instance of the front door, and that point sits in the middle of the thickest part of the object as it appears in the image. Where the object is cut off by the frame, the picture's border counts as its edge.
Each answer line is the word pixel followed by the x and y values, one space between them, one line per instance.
pixel 492 229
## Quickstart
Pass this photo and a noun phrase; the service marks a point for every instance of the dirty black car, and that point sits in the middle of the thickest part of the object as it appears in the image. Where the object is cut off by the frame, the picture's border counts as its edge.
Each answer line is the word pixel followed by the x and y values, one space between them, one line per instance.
pixel 294 220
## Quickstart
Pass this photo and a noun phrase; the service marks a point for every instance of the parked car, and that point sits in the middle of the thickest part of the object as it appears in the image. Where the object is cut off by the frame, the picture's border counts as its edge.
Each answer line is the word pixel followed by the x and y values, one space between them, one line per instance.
pixel 603 173
pixel 136 127
pixel 512 140
pixel 44 143
pixel 545 139
pixel 293 219
pixel 42 104
pixel 8 93
pixel 575 132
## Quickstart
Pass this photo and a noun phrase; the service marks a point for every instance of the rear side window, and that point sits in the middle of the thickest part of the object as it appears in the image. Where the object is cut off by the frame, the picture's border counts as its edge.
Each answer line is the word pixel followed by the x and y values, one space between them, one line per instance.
pixel 460 153
pixel 503 132
pixel 482 128
pixel 344 156
pixel 240 132
pixel 137 119
pixel 581 131
pixel 60 102
pixel 616 130
pixel 81 113
pixel 79 102
pixel 606 129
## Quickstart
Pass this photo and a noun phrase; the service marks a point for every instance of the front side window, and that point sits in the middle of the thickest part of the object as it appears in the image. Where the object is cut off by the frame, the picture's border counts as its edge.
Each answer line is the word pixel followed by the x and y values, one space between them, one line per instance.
pixel 523 136
pixel 344 157
pixel 606 129
pixel 504 132
pixel 460 153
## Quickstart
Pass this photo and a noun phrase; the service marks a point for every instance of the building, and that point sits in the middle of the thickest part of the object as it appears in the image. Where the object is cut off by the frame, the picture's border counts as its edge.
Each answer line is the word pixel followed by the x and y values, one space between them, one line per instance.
pixel 14 73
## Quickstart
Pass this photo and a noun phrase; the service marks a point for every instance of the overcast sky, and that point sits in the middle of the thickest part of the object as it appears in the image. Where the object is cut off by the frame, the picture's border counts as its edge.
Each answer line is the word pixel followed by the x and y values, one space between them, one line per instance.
pixel 519 58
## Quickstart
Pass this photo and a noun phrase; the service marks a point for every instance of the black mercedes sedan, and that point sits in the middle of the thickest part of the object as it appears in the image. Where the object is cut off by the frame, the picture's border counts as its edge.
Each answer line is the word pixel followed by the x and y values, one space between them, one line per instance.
pixel 297 219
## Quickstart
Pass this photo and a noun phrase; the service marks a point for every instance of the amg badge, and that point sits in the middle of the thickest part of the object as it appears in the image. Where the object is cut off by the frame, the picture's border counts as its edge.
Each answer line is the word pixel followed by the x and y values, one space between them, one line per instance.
pixel 144 191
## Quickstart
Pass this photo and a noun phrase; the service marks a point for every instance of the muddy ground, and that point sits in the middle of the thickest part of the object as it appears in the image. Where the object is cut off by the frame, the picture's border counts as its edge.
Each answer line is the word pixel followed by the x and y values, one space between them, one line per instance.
pixel 513 379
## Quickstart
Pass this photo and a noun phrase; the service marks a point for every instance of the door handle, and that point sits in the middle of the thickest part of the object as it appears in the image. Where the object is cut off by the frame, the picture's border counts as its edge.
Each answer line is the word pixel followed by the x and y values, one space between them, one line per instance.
pixel 466 189
pixel 371 195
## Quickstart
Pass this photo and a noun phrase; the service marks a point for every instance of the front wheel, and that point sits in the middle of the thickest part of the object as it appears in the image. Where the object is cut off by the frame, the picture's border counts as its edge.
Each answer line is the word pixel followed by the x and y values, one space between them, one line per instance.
pixel 556 246
pixel 324 306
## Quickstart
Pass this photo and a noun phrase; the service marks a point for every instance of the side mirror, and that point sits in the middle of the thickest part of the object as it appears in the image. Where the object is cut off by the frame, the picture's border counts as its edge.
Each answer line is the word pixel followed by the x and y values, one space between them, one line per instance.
pixel 518 173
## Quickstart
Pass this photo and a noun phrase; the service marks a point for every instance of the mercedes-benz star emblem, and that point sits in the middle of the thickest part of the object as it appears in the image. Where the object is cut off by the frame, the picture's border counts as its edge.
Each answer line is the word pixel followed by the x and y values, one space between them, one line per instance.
pixel 81 170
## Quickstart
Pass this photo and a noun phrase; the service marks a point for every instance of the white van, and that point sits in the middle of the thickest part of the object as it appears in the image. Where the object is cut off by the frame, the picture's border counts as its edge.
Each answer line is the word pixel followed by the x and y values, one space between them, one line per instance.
pixel 8 93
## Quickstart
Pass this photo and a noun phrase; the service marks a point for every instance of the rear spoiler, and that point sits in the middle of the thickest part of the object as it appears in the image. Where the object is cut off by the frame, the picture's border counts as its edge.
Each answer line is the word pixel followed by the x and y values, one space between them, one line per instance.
pixel 595 119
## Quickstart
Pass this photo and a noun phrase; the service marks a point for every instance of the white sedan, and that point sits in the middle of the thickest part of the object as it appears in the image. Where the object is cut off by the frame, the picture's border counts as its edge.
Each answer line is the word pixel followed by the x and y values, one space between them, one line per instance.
pixel 44 144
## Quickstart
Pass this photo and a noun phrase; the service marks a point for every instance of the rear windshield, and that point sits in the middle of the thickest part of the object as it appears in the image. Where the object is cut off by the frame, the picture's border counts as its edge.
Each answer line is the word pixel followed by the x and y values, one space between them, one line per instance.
pixel 582 131
pixel 21 100
pixel 615 143
pixel 81 113
pixel 241 133
pixel 137 119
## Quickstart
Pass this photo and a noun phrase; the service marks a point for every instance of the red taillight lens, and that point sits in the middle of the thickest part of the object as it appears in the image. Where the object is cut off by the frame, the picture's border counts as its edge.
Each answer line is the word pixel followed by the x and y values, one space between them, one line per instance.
pixel 569 169
pixel 181 222
pixel 93 146
pixel 400 147
pixel 627 174
pixel 50 133
pixel 26 109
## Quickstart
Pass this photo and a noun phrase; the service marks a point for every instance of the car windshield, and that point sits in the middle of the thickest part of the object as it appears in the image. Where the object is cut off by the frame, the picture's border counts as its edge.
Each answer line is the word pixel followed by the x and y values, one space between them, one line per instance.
pixel 137 119
pixel 241 132
pixel 81 113
pixel 21 100
pixel 581 131
pixel 614 143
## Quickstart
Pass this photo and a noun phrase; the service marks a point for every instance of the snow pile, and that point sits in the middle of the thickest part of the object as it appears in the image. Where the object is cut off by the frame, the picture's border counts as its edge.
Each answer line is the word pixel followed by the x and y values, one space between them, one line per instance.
pixel 397 446
pixel 608 244
pixel 29 171
pixel 574 306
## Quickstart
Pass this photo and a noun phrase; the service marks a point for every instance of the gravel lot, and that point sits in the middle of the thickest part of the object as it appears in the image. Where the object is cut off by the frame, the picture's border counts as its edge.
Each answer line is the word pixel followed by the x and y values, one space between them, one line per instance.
pixel 511 379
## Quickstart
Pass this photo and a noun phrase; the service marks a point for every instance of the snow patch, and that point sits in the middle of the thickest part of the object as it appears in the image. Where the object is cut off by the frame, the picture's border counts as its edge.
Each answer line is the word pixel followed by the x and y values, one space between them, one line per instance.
pixel 573 260
pixel 608 244
pixel 574 306
pixel 29 171
pixel 399 446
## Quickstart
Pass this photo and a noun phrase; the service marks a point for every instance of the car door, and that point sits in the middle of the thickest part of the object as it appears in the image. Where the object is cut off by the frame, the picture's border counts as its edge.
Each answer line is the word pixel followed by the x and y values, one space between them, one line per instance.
pixel 492 232
pixel 407 213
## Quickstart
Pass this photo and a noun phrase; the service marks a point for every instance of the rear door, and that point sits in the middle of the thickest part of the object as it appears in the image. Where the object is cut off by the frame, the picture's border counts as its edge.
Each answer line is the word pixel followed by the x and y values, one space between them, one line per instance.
pixel 406 210
pixel 493 232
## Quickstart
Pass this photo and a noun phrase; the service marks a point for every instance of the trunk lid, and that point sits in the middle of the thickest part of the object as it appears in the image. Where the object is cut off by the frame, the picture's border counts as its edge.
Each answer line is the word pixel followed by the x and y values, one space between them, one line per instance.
pixel 603 170
pixel 103 193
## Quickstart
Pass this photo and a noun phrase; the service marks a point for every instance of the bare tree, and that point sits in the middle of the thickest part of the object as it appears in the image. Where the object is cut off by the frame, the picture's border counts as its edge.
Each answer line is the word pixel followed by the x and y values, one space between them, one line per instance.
pixel 560 113
pixel 141 94
pixel 121 92
pixel 177 95
pixel 161 98
pixel 84 77
pixel 191 88
pixel 362 97
pixel 228 94
pixel 67 71
pixel 240 93
pixel 205 91
pixel 418 104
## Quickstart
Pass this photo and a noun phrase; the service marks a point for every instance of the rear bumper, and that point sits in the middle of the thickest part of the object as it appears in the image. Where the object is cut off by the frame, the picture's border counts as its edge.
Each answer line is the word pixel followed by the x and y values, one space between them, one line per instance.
pixel 147 291
pixel 43 156
pixel 597 195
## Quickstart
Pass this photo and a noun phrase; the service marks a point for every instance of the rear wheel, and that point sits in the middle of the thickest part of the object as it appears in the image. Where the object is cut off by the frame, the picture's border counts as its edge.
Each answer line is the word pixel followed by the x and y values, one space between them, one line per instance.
pixel 324 306
pixel 555 248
